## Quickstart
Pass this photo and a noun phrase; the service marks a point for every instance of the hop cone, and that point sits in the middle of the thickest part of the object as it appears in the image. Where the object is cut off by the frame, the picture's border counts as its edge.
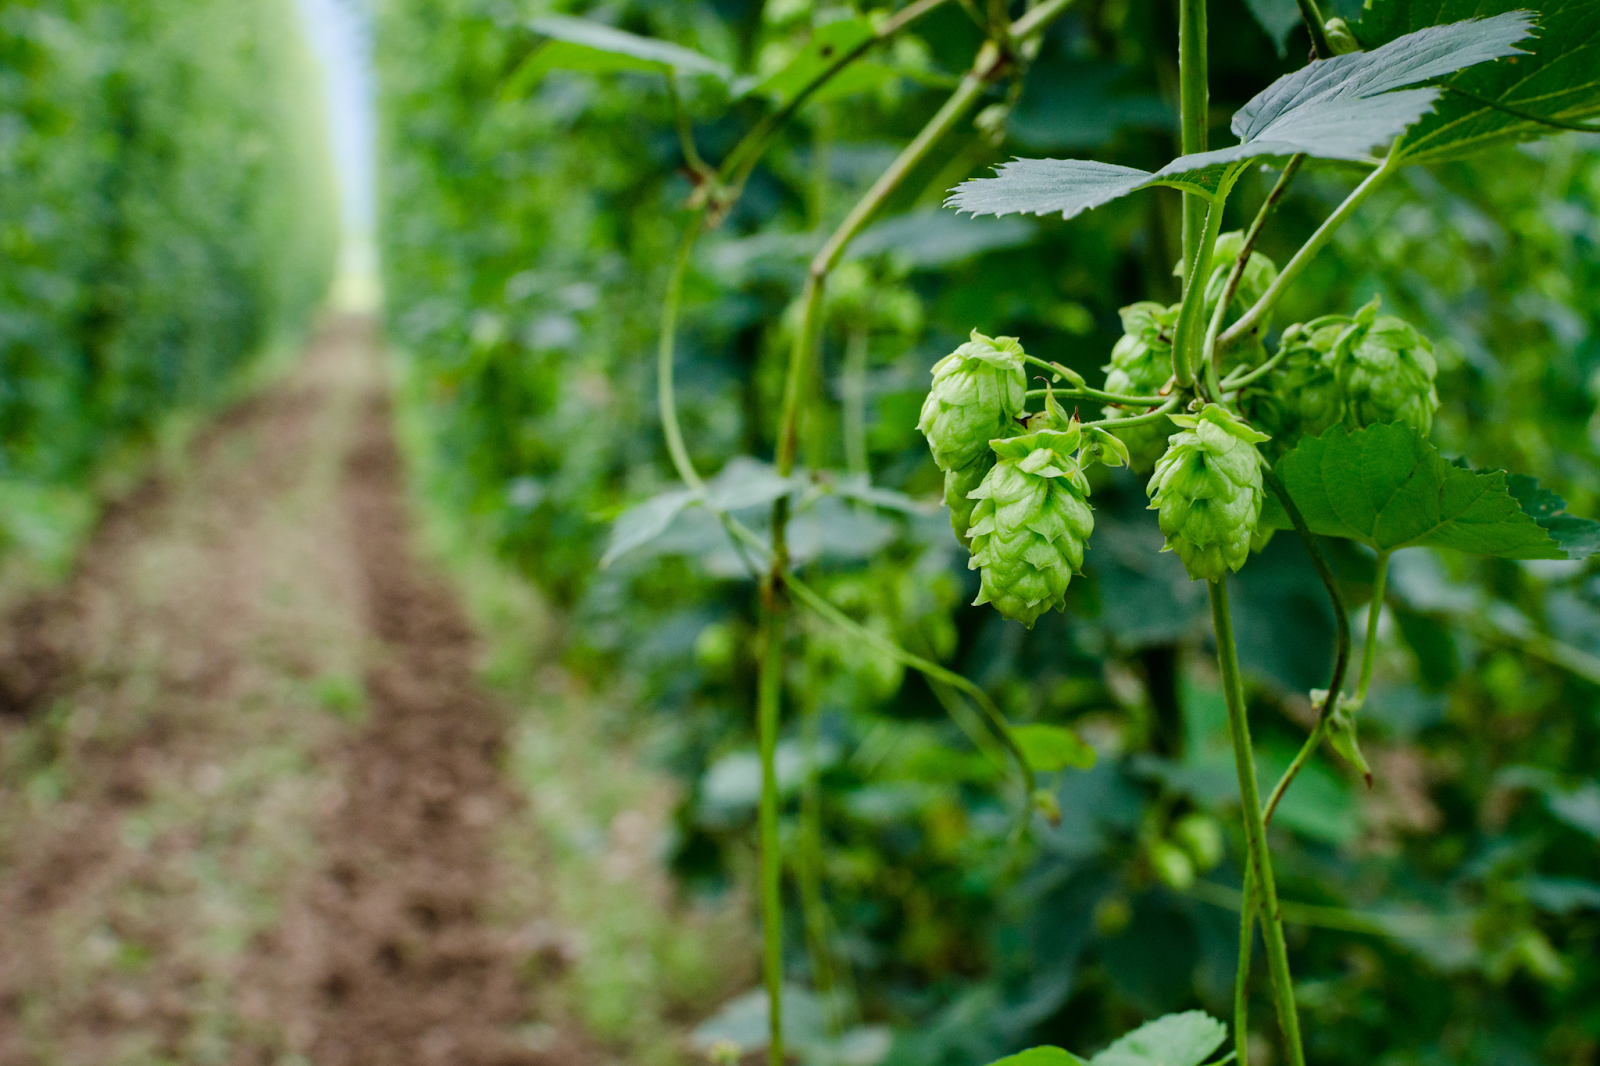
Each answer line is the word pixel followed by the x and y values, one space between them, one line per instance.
pixel 1302 395
pixel 1141 363
pixel 978 392
pixel 958 486
pixel 1207 490
pixel 1386 369
pixel 1030 524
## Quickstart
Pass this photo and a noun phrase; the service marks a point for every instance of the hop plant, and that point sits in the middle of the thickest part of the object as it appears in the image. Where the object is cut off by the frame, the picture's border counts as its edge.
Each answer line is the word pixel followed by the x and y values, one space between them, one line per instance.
pixel 1207 490
pixel 978 391
pixel 1031 522
pixel 1259 273
pixel 1386 369
pixel 1141 363
pixel 1302 395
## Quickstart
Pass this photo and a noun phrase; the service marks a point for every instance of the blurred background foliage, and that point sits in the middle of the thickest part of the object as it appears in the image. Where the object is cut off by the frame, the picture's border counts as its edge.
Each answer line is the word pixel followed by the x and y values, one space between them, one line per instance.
pixel 1448 914
pixel 166 216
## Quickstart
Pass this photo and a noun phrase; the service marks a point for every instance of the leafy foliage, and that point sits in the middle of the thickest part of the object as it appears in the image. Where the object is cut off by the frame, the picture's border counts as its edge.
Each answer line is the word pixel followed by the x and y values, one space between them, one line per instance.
pixel 167 216
pixel 1559 79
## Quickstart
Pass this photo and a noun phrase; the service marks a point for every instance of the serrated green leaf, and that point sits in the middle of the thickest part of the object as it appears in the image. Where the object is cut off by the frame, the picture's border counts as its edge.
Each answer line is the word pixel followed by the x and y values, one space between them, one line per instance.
pixel 581 44
pixel 1578 537
pixel 1337 108
pixel 1041 1056
pixel 1175 1040
pixel 1388 488
pixel 1559 79
pixel 1049 748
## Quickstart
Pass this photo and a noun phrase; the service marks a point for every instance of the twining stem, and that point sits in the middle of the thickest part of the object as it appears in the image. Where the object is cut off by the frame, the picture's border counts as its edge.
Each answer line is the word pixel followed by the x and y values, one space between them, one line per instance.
pixel 967 94
pixel 1210 353
pixel 1314 25
pixel 1241 977
pixel 1187 341
pixel 1254 826
pixel 768 700
pixel 1136 420
pixel 1369 650
pixel 808 875
pixel 1341 656
pixel 1296 265
pixel 666 342
pixel 742 160
pixel 1194 98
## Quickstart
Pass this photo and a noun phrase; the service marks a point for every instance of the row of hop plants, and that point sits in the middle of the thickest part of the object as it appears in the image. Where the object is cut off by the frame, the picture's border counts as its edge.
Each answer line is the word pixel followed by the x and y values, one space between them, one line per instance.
pixel 168 215
pixel 512 215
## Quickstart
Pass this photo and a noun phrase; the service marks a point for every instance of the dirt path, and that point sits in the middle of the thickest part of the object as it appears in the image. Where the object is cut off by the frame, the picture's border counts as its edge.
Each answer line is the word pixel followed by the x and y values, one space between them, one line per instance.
pixel 248 783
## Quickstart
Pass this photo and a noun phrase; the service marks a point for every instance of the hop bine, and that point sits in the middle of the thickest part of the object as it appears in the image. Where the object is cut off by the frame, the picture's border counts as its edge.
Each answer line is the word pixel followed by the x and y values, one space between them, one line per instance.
pixel 978 392
pixel 1386 370
pixel 1207 490
pixel 1031 522
pixel 1141 364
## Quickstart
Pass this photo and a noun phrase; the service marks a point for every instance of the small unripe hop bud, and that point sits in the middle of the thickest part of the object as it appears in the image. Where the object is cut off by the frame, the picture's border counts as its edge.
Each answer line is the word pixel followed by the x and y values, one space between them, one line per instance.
pixel 1031 523
pixel 1207 490
pixel 1141 363
pixel 1386 369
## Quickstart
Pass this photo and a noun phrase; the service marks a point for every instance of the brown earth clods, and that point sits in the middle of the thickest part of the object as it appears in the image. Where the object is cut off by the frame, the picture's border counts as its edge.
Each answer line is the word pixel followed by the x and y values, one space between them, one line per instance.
pixel 165 788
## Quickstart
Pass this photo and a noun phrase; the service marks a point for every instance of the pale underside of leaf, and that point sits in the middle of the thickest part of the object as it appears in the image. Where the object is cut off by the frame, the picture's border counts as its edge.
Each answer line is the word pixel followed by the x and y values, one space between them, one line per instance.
pixel 1338 108
pixel 1559 79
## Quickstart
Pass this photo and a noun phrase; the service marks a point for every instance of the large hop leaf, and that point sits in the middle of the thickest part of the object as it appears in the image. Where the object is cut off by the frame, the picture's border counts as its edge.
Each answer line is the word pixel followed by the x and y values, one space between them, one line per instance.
pixel 1207 490
pixel 1386 370
pixel 1141 363
pixel 1302 394
pixel 978 391
pixel 1031 523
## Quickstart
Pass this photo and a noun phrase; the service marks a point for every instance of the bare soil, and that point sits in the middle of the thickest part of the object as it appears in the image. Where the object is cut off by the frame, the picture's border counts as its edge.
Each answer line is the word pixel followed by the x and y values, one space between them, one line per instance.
pixel 249 784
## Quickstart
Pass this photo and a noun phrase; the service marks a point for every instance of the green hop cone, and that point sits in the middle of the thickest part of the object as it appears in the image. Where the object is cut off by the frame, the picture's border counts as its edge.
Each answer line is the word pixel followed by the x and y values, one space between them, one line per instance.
pixel 1302 395
pixel 1141 363
pixel 1207 490
pixel 1386 370
pixel 1031 523
pixel 958 486
pixel 978 391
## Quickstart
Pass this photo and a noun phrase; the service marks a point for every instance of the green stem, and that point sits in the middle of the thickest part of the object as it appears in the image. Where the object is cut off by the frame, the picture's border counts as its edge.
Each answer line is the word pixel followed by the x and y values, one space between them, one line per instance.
pixel 855 401
pixel 808 873
pixel 1236 380
pixel 1254 826
pixel 1341 656
pixel 1210 352
pixel 666 400
pixel 1296 265
pixel 1136 420
pixel 769 700
pixel 1187 341
pixel 1314 25
pixel 1369 650
pixel 1241 980
pixel 1194 96
pixel 742 160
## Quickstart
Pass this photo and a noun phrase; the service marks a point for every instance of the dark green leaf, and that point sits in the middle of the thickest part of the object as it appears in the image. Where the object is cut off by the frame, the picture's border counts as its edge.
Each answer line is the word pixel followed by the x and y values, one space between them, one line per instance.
pixel 1388 488
pixel 1578 537
pixel 1559 79
pixel 580 44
